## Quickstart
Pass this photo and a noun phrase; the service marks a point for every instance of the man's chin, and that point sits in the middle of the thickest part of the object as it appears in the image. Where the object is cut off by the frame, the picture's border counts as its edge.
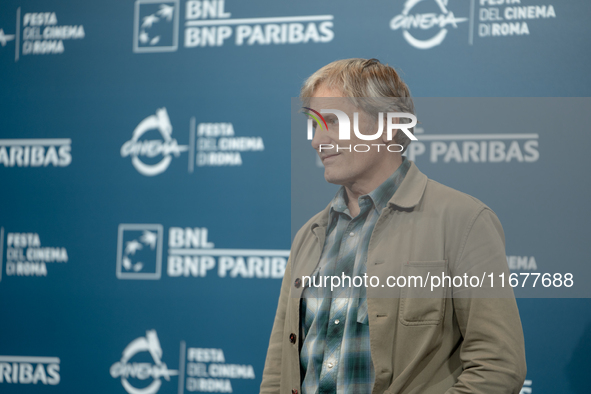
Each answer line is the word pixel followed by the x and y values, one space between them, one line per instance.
pixel 331 177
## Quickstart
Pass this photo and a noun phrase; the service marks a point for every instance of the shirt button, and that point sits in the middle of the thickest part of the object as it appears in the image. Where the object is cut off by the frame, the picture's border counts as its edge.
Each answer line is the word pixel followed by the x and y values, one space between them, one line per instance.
pixel 292 338
pixel 337 321
pixel 351 234
pixel 330 365
pixel 297 283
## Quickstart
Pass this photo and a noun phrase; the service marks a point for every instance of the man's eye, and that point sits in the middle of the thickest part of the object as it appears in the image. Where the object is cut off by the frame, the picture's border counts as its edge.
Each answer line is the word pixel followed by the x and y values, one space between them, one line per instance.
pixel 333 121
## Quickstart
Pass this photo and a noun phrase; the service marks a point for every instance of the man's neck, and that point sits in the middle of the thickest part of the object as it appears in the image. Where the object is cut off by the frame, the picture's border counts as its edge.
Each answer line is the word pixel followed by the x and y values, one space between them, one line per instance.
pixel 367 185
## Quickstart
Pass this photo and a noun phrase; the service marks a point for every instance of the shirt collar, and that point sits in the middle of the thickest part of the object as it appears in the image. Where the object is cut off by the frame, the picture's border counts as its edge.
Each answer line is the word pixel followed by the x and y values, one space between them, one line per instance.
pixel 378 198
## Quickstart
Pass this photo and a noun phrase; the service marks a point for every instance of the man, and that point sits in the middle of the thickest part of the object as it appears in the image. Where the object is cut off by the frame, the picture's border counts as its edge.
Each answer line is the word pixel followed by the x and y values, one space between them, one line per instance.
pixel 389 220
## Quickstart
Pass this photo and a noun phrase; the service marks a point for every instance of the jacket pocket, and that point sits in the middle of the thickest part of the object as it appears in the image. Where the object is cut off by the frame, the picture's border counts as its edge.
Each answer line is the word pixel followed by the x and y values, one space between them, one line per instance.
pixel 419 305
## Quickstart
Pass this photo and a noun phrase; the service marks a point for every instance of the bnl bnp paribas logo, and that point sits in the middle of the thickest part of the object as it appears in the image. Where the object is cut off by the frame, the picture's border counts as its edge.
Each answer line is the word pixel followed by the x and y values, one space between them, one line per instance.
pixel 190 253
pixel 208 23
pixel 156 26
pixel 425 24
pixel 152 147
pixel 36 152
pixel 139 251
pixel 21 370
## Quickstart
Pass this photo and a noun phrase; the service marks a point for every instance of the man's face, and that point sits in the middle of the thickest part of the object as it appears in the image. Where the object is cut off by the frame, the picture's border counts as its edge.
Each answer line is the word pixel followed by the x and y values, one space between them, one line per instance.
pixel 345 167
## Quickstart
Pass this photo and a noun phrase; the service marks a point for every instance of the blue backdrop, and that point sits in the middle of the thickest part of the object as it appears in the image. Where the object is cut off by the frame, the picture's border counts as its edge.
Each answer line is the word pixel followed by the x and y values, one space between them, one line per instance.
pixel 145 215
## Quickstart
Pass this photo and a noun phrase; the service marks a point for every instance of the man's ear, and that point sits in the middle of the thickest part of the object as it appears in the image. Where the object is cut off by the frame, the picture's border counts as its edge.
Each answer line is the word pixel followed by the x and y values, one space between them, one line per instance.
pixel 385 131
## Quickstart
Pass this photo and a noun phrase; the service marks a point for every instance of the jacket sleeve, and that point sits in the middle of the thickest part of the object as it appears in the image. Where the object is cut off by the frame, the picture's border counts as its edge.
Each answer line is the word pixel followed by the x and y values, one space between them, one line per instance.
pixel 272 372
pixel 493 351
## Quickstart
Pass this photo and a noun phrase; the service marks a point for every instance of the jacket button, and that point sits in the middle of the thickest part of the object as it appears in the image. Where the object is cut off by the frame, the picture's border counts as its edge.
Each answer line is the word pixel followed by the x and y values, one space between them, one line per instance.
pixel 294 391
pixel 297 283
pixel 292 338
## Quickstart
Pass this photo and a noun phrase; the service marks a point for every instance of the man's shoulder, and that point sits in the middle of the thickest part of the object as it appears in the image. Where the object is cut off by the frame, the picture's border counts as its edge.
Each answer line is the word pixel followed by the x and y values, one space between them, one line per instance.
pixel 450 201
pixel 458 213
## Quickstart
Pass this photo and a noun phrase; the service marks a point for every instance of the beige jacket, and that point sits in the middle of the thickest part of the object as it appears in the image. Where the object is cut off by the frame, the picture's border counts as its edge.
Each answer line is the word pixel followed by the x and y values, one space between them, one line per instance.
pixel 418 345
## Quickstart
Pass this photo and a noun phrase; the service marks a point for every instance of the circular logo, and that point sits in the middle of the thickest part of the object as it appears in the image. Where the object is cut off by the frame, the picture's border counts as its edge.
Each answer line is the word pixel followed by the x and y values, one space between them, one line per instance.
pixel 142 371
pixel 166 147
pixel 426 21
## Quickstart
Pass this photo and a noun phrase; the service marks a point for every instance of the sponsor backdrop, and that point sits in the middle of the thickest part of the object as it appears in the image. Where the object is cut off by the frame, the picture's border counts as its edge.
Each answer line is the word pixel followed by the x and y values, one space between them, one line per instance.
pixel 145 215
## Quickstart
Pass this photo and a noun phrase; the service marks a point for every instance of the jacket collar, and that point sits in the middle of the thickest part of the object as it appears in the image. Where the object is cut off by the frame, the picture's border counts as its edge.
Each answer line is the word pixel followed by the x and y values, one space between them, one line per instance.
pixel 411 189
pixel 408 195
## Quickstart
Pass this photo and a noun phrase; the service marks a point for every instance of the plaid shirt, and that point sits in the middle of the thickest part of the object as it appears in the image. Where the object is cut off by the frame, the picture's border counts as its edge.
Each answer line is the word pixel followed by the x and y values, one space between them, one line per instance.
pixel 335 356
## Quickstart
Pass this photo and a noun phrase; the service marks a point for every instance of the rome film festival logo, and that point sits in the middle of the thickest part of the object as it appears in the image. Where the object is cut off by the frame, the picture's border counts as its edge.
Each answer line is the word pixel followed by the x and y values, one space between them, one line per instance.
pixel 4 38
pixel 345 129
pixel 425 21
pixel 166 147
pixel 141 370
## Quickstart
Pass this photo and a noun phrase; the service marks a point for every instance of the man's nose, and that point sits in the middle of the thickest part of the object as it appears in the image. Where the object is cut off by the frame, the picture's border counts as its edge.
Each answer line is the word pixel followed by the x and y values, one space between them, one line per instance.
pixel 320 137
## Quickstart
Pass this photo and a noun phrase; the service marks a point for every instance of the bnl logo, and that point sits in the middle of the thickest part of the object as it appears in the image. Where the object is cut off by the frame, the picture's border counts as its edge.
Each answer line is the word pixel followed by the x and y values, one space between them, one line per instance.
pixel 156 26
pixel 139 251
